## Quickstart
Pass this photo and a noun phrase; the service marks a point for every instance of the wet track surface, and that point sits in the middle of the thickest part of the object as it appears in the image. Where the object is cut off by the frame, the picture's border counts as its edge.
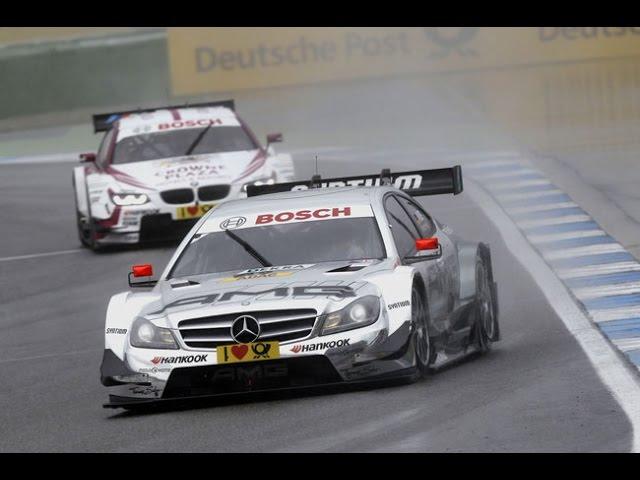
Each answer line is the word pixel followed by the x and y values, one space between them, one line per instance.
pixel 536 391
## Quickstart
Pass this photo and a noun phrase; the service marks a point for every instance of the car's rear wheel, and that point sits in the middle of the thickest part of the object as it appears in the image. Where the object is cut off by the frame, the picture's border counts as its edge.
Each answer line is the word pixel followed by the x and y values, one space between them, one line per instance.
pixel 486 322
pixel 422 342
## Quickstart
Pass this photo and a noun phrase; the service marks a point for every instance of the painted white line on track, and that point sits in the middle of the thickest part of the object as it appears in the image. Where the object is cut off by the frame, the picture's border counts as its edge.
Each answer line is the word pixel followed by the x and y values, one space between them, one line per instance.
pixel 608 314
pixel 554 237
pixel 589 293
pixel 612 247
pixel 618 377
pixel 528 196
pixel 39 255
pixel 554 221
pixel 591 270
pixel 541 208
pixel 53 158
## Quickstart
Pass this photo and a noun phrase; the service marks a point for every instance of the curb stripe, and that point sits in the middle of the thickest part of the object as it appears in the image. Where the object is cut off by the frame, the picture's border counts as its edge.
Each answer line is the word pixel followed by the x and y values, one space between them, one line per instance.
pixel 602 275
pixel 541 208
pixel 558 237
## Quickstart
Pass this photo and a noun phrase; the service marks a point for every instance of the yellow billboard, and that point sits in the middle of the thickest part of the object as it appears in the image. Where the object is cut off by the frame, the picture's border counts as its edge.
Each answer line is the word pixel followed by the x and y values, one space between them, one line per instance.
pixel 226 59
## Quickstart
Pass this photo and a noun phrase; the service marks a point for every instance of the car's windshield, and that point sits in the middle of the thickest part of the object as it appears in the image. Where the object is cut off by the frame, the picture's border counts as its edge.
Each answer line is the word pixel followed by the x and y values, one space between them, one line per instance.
pixel 287 244
pixel 175 143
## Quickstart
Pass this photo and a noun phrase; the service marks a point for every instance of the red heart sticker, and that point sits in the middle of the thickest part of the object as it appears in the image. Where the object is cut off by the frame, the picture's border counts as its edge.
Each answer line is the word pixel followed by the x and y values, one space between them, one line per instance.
pixel 239 351
pixel 192 210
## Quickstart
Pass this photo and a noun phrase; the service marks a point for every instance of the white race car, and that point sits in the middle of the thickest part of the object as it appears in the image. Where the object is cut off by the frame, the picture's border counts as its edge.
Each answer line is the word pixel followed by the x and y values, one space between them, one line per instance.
pixel 304 288
pixel 159 170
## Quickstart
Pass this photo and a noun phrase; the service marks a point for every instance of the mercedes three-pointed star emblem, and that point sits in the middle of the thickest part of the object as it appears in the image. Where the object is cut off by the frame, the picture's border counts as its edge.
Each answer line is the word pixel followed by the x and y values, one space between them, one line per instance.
pixel 245 329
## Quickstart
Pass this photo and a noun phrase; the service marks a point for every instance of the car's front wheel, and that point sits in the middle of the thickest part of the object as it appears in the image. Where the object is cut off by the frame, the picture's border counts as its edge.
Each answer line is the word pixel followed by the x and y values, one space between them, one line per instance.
pixel 486 325
pixel 422 342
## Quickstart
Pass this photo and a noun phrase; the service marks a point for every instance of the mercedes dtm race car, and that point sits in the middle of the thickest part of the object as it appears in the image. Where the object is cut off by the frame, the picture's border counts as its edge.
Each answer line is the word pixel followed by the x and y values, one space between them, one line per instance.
pixel 157 171
pixel 300 286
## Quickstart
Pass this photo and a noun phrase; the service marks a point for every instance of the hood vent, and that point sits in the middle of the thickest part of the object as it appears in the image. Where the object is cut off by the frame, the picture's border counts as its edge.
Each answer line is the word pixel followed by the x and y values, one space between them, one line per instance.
pixel 186 283
pixel 347 269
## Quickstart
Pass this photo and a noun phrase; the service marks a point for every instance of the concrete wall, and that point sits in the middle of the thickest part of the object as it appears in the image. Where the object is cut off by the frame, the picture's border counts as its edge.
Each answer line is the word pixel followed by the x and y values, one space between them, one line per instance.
pixel 68 77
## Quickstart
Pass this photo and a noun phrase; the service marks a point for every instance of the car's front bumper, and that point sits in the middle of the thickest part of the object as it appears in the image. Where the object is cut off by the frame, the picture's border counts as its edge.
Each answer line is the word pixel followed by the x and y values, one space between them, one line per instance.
pixel 378 357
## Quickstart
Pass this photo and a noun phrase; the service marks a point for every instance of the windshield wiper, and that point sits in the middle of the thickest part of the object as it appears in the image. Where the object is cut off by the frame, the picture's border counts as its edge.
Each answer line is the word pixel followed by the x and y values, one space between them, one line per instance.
pixel 198 139
pixel 250 250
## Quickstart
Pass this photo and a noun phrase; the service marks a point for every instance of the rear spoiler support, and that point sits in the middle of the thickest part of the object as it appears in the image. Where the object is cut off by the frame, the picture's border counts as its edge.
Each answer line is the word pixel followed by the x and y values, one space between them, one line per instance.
pixel 416 183
pixel 103 122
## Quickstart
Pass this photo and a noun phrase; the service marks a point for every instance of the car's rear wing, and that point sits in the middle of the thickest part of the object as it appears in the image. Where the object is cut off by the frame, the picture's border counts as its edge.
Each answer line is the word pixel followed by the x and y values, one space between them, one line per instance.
pixel 103 122
pixel 416 183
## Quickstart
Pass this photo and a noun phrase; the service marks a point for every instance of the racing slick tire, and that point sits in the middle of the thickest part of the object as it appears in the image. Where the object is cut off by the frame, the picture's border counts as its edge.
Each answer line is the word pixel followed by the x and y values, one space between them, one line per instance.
pixel 486 329
pixel 424 350
pixel 86 229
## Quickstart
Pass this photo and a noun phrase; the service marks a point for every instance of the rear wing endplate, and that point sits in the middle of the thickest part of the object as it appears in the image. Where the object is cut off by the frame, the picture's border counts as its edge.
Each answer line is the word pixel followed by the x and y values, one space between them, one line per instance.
pixel 103 122
pixel 415 183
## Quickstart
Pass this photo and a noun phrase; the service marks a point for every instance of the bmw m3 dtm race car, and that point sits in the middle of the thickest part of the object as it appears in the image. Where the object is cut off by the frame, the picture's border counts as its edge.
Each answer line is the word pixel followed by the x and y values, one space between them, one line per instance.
pixel 158 170
pixel 301 285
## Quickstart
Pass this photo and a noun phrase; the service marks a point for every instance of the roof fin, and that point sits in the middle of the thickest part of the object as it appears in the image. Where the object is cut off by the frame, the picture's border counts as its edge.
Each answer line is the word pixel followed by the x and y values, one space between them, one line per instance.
pixel 385 177
pixel 315 181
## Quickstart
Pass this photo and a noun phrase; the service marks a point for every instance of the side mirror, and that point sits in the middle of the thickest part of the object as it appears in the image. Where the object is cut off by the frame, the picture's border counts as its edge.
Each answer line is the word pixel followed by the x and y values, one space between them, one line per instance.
pixel 144 271
pixel 428 249
pixel 273 138
pixel 87 157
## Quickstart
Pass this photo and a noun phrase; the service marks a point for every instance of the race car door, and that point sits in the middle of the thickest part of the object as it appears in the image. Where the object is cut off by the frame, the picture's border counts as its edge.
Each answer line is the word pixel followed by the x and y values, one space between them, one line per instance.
pixel 447 263
pixel 405 233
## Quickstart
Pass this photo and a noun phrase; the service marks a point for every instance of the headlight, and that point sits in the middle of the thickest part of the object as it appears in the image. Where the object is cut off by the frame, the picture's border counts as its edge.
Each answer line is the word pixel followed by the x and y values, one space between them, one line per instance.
pixel 359 313
pixel 260 181
pixel 145 334
pixel 127 199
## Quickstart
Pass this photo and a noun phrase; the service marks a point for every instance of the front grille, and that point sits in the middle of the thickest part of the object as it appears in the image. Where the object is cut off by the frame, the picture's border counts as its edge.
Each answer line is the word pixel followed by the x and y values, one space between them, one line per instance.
pixel 213 192
pixel 280 325
pixel 180 195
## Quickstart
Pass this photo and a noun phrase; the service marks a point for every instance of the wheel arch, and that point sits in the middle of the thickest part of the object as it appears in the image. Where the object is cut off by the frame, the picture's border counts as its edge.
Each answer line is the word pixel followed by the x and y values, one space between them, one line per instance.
pixel 468 252
pixel 78 179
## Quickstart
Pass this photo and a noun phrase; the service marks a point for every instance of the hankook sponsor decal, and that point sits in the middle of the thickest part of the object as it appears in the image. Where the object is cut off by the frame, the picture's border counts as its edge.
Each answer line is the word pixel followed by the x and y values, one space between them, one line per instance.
pixel 320 346
pixel 174 360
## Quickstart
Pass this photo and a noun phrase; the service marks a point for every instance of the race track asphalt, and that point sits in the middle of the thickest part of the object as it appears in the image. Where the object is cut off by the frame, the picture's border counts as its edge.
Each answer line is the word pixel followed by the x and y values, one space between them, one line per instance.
pixel 536 391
